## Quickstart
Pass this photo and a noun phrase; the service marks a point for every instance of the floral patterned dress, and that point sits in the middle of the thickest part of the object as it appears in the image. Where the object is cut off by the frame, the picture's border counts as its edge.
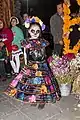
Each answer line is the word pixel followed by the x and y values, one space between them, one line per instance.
pixel 35 81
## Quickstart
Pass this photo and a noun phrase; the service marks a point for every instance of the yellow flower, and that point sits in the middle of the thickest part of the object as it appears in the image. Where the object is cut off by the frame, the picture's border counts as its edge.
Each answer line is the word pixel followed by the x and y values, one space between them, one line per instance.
pixel 78 1
pixel 78 20
pixel 38 73
pixel 35 66
pixel 74 21
pixel 67 18
pixel 12 92
pixel 66 9
pixel 43 89
pixel 66 29
pixel 37 19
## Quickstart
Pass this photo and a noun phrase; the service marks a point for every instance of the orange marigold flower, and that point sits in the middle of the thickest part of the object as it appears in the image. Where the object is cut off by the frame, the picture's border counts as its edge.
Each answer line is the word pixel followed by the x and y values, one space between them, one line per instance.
pixel 78 1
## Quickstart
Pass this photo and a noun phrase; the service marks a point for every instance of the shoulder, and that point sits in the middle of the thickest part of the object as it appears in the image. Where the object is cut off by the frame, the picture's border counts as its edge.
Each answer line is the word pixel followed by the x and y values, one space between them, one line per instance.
pixel 16 29
pixel 54 16
pixel 7 30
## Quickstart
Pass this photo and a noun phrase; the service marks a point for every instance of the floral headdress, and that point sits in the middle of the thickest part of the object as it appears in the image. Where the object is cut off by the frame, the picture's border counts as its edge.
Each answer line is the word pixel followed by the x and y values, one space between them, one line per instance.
pixel 34 20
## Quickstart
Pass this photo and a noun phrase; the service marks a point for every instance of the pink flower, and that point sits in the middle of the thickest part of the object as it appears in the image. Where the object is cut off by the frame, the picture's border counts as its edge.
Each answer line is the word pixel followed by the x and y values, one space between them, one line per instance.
pixel 28 45
pixel 50 59
pixel 32 98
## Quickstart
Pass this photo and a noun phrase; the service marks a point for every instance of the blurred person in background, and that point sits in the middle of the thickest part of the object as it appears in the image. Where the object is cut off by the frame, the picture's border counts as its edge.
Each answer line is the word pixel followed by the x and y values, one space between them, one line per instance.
pixel 6 38
pixel 56 26
pixel 16 44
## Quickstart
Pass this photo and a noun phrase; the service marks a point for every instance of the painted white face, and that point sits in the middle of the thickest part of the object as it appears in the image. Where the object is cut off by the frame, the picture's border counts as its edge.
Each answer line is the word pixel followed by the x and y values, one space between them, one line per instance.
pixel 34 31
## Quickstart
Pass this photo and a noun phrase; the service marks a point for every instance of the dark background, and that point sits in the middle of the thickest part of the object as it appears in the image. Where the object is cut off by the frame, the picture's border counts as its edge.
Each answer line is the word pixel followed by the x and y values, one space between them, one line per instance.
pixel 44 9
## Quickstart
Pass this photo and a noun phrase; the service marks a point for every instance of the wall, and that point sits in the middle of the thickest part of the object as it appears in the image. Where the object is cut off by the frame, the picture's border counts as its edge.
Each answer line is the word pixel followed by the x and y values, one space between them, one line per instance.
pixel 6 10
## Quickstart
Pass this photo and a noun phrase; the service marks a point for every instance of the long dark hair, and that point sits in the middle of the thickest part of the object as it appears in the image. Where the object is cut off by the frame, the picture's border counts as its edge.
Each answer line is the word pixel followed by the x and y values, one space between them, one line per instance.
pixel 11 21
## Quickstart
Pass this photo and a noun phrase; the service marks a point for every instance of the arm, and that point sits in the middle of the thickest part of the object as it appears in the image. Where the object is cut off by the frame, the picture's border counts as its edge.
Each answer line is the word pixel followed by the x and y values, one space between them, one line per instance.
pixel 56 28
pixel 21 36
pixel 9 37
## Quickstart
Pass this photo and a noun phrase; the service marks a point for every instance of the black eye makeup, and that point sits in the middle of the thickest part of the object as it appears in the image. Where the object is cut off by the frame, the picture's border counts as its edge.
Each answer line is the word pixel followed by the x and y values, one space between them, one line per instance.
pixel 33 31
pixel 37 31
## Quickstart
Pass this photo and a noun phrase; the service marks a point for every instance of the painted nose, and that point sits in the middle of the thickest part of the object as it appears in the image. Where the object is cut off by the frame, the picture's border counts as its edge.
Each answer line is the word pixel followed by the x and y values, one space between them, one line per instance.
pixel 35 33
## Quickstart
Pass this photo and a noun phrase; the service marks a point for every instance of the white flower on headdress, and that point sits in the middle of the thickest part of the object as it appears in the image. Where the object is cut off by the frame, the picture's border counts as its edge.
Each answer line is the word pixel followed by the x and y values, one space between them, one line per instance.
pixel 33 20
pixel 27 25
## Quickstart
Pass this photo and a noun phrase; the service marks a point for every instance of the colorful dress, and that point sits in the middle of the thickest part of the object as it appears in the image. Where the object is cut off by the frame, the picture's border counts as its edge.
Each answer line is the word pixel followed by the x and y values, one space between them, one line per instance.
pixel 35 82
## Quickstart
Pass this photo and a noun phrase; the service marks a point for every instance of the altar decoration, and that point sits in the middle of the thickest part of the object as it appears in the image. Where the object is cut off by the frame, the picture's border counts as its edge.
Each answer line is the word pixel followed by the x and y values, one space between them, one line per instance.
pixel 66 29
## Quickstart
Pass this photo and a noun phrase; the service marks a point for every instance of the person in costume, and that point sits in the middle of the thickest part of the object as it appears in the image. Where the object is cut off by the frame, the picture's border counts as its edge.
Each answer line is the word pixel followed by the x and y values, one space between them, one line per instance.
pixel 16 44
pixel 6 37
pixel 35 83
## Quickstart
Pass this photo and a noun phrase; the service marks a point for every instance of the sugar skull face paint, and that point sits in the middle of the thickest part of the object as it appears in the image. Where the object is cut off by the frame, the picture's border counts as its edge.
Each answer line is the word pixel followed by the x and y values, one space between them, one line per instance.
pixel 34 31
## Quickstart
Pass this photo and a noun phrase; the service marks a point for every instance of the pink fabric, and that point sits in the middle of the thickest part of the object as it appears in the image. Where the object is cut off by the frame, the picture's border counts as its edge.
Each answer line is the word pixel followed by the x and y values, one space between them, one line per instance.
pixel 51 88
pixel 28 46
pixel 47 80
pixel 14 83
pixel 50 59
pixel 19 76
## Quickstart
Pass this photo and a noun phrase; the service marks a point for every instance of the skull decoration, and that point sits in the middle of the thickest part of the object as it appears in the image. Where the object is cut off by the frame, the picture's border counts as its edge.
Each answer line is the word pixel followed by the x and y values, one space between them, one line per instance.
pixel 34 31
pixel 37 55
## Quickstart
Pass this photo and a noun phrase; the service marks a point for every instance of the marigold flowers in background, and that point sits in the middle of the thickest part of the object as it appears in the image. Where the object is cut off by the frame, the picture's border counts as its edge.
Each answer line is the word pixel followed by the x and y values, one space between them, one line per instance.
pixel 78 1
pixel 66 28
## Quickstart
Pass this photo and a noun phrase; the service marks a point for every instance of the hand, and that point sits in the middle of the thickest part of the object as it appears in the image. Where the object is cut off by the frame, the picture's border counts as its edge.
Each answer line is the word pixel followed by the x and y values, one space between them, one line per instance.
pixel 61 42
pixel 0 40
pixel 1 44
